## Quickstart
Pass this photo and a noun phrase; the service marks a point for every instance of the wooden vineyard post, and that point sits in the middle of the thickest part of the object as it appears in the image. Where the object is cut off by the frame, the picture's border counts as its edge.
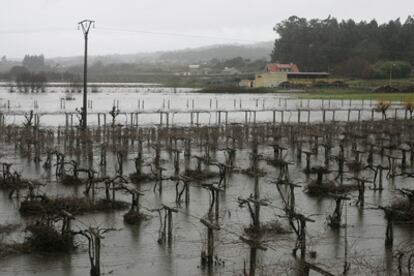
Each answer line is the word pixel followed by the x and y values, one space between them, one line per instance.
pixel 223 168
pixel 361 190
pixel 300 230
pixel 378 176
pixel 210 242
pixel 186 188
pixel 289 202
pixel 328 148
pixel 308 160
pixel 255 210
pixel 389 233
pixel 215 203
pixel 166 223
pixel 169 211
pixel 176 161
pixel 94 237
pixel 334 220
pixel 392 165
pixel 254 245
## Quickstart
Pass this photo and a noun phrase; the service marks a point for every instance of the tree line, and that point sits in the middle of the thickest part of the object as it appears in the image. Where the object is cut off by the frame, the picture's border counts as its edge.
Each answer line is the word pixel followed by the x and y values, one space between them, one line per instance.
pixel 347 48
pixel 33 74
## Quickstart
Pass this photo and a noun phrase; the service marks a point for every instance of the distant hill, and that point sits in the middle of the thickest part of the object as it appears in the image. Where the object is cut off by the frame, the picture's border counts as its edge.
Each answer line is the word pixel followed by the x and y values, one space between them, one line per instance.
pixel 221 52
pixel 260 50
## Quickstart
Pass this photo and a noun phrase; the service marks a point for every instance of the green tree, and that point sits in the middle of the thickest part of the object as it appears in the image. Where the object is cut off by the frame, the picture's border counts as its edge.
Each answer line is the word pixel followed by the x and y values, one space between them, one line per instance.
pixel 348 48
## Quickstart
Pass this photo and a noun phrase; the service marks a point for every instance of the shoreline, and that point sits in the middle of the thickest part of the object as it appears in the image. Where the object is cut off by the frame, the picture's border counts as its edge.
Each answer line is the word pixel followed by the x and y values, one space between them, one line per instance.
pixel 92 84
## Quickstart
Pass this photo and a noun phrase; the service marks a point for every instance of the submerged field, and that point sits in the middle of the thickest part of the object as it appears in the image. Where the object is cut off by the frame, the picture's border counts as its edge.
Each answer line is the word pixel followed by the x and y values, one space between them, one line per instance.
pixel 267 178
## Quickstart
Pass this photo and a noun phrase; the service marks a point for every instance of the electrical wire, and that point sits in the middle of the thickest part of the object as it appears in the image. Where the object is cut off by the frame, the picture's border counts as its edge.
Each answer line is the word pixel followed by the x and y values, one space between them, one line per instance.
pixel 109 29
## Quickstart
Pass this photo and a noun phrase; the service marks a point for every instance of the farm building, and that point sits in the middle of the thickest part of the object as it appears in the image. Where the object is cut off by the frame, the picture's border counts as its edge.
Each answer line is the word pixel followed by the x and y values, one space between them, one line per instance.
pixel 275 74
pixel 278 67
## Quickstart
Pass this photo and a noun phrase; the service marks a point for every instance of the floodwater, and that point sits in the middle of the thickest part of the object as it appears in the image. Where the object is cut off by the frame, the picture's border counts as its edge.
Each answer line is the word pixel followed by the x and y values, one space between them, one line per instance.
pixel 133 250
pixel 55 102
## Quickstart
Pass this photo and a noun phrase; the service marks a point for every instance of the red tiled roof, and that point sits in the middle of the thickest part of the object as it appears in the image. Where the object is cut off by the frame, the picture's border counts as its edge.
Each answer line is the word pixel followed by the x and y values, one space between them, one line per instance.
pixel 276 67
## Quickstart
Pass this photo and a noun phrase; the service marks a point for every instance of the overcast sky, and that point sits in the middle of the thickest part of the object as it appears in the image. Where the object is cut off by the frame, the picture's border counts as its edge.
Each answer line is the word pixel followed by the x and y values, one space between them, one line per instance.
pixel 131 26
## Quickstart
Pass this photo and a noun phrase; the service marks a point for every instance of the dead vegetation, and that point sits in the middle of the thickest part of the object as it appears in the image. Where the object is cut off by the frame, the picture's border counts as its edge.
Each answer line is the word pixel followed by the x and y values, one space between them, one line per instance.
pixel 71 204
pixel 70 180
pixel 134 217
pixel 403 210
pixel 7 249
pixel 327 188
pixel 44 238
pixel 267 230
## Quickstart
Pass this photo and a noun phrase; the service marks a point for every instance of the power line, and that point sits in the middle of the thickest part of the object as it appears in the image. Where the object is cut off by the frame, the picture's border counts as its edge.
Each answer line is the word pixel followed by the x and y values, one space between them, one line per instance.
pixel 197 36
pixel 175 34
pixel 116 30
pixel 34 31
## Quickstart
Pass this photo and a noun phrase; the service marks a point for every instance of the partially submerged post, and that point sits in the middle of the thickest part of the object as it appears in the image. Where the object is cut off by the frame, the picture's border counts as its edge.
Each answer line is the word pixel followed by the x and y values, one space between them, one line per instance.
pixel 169 211
pixel 134 215
pixel 222 172
pixel 334 220
pixel 361 190
pixel 176 161
pixel 186 188
pixel 378 176
pixel 289 201
pixel 254 211
pixel 208 257
pixel 389 233
pixel 94 236
pixel 327 153
pixel 340 160
pixel 215 194
pixel 254 245
pixel 300 230
pixel 230 157
pixel 308 160
pixel 392 165
pixel 114 113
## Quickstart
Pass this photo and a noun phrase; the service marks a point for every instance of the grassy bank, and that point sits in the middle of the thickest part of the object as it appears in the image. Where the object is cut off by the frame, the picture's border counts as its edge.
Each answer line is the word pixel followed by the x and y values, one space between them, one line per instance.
pixel 236 90
pixel 362 89
pixel 354 94
pixel 374 83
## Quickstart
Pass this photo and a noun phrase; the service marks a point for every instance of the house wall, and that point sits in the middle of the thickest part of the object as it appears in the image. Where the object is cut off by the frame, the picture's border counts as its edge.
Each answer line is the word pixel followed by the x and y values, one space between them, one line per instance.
pixel 270 79
pixel 246 83
pixel 308 81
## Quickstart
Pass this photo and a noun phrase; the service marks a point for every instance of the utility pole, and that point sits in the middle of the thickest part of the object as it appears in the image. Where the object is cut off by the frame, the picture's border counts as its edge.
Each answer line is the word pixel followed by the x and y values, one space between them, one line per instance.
pixel 86 25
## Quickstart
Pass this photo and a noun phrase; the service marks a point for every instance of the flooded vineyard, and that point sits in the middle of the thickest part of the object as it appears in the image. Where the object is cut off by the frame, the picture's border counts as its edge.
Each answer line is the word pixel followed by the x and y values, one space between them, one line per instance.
pixel 135 106
pixel 242 197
